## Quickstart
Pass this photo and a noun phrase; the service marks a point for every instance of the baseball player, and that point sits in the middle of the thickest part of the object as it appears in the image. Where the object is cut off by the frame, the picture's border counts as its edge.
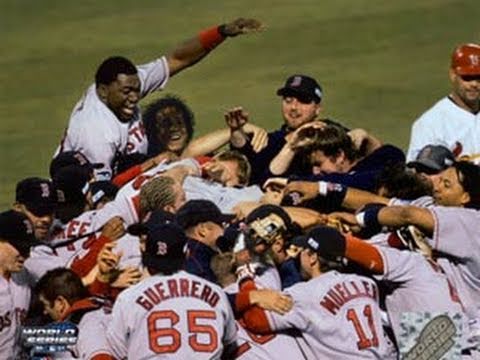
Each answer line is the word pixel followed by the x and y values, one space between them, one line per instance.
pixel 100 122
pixel 250 345
pixel 417 282
pixel 65 298
pixel 127 202
pixel 36 198
pixel 338 314
pixel 171 314
pixel 16 238
pixel 453 121
pixel 451 231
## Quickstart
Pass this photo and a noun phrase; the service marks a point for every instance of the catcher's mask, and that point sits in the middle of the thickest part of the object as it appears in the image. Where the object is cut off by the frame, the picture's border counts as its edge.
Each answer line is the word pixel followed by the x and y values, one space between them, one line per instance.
pixel 264 231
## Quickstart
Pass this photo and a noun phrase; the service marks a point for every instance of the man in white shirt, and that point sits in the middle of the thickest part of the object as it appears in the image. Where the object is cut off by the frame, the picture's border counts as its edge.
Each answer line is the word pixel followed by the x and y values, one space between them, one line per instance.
pixel 454 121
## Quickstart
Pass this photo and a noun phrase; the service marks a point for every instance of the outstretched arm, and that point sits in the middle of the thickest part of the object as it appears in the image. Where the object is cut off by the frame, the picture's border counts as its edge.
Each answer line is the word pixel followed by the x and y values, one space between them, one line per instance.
pixel 194 49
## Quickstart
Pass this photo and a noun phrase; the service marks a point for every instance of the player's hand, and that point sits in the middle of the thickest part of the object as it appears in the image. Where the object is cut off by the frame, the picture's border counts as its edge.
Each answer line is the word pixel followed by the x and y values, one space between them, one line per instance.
pixel 164 158
pixel 215 171
pixel 301 190
pixel 242 26
pixel 304 135
pixel 348 220
pixel 259 136
pixel 107 262
pixel 275 184
pixel 129 276
pixel 272 197
pixel 114 228
pixel 236 118
pixel 243 208
pixel 271 300
pixel 358 136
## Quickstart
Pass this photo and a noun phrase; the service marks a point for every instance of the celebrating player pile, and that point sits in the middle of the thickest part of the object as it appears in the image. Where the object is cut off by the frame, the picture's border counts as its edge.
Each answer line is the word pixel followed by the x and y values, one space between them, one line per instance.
pixel 313 241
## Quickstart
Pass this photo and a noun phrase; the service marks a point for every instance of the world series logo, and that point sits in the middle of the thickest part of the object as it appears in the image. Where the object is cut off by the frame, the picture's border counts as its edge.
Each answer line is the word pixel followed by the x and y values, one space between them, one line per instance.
pixel 49 339
pixel 428 336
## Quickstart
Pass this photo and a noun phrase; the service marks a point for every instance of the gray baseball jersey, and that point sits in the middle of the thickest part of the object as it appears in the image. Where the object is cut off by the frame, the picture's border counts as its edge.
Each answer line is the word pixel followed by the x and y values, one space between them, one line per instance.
pixel 14 302
pixel 180 316
pixel 421 286
pixel 338 315
pixel 92 339
pixel 281 345
pixel 126 203
pixel 95 130
pixel 43 258
pixel 457 233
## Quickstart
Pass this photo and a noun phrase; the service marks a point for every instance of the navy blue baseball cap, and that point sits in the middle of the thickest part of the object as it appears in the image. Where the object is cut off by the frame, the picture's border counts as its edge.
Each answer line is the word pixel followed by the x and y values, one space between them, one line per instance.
pixel 303 87
pixel 165 249
pixel 195 212
pixel 38 195
pixel 16 229
pixel 154 219
pixel 69 158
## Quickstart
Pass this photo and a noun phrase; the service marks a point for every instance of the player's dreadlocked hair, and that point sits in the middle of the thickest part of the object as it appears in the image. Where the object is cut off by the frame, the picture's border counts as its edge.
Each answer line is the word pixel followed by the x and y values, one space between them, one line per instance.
pixel 156 194
pixel 109 69
pixel 153 122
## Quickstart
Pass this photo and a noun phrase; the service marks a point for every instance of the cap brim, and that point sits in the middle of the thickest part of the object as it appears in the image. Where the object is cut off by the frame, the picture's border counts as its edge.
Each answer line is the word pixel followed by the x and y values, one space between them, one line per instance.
pixel 23 246
pixel 227 218
pixel 300 241
pixel 305 97
pixel 425 165
pixel 137 229
pixel 41 210
pixel 469 70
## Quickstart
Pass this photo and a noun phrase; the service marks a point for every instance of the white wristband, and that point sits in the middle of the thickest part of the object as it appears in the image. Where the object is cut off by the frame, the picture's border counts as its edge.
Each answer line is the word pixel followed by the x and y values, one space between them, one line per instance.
pixel 323 188
pixel 360 219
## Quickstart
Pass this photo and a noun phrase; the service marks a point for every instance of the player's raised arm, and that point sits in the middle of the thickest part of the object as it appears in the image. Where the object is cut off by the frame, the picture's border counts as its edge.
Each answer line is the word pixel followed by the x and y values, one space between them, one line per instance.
pixel 194 49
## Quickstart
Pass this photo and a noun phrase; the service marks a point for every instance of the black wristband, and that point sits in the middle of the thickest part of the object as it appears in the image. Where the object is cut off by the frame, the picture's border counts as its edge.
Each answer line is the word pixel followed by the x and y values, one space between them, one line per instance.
pixel 221 30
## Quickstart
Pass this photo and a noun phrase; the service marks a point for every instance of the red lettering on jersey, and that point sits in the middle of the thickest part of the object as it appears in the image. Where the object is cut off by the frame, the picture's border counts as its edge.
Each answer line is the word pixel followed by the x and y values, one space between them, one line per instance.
pixel 72 228
pixel 214 299
pixel 330 304
pixel 144 303
pixel 206 293
pixel 161 291
pixel 84 226
pixel 184 288
pixel 152 296
pixel 340 294
pixel 194 292
pixel 172 287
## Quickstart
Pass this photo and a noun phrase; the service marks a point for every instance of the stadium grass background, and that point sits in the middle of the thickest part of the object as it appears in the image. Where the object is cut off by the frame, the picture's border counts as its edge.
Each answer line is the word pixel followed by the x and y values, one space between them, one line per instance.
pixel 381 62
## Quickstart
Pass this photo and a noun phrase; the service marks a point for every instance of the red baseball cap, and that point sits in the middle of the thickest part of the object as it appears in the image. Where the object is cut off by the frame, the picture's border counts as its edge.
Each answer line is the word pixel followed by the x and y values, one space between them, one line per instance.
pixel 466 59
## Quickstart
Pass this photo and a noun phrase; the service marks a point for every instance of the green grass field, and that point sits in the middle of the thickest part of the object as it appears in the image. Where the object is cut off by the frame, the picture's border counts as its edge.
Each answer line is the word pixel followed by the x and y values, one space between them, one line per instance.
pixel 381 62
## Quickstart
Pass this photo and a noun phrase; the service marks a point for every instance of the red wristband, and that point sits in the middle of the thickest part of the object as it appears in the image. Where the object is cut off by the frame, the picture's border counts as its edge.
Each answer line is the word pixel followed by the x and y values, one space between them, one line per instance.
pixel 210 38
